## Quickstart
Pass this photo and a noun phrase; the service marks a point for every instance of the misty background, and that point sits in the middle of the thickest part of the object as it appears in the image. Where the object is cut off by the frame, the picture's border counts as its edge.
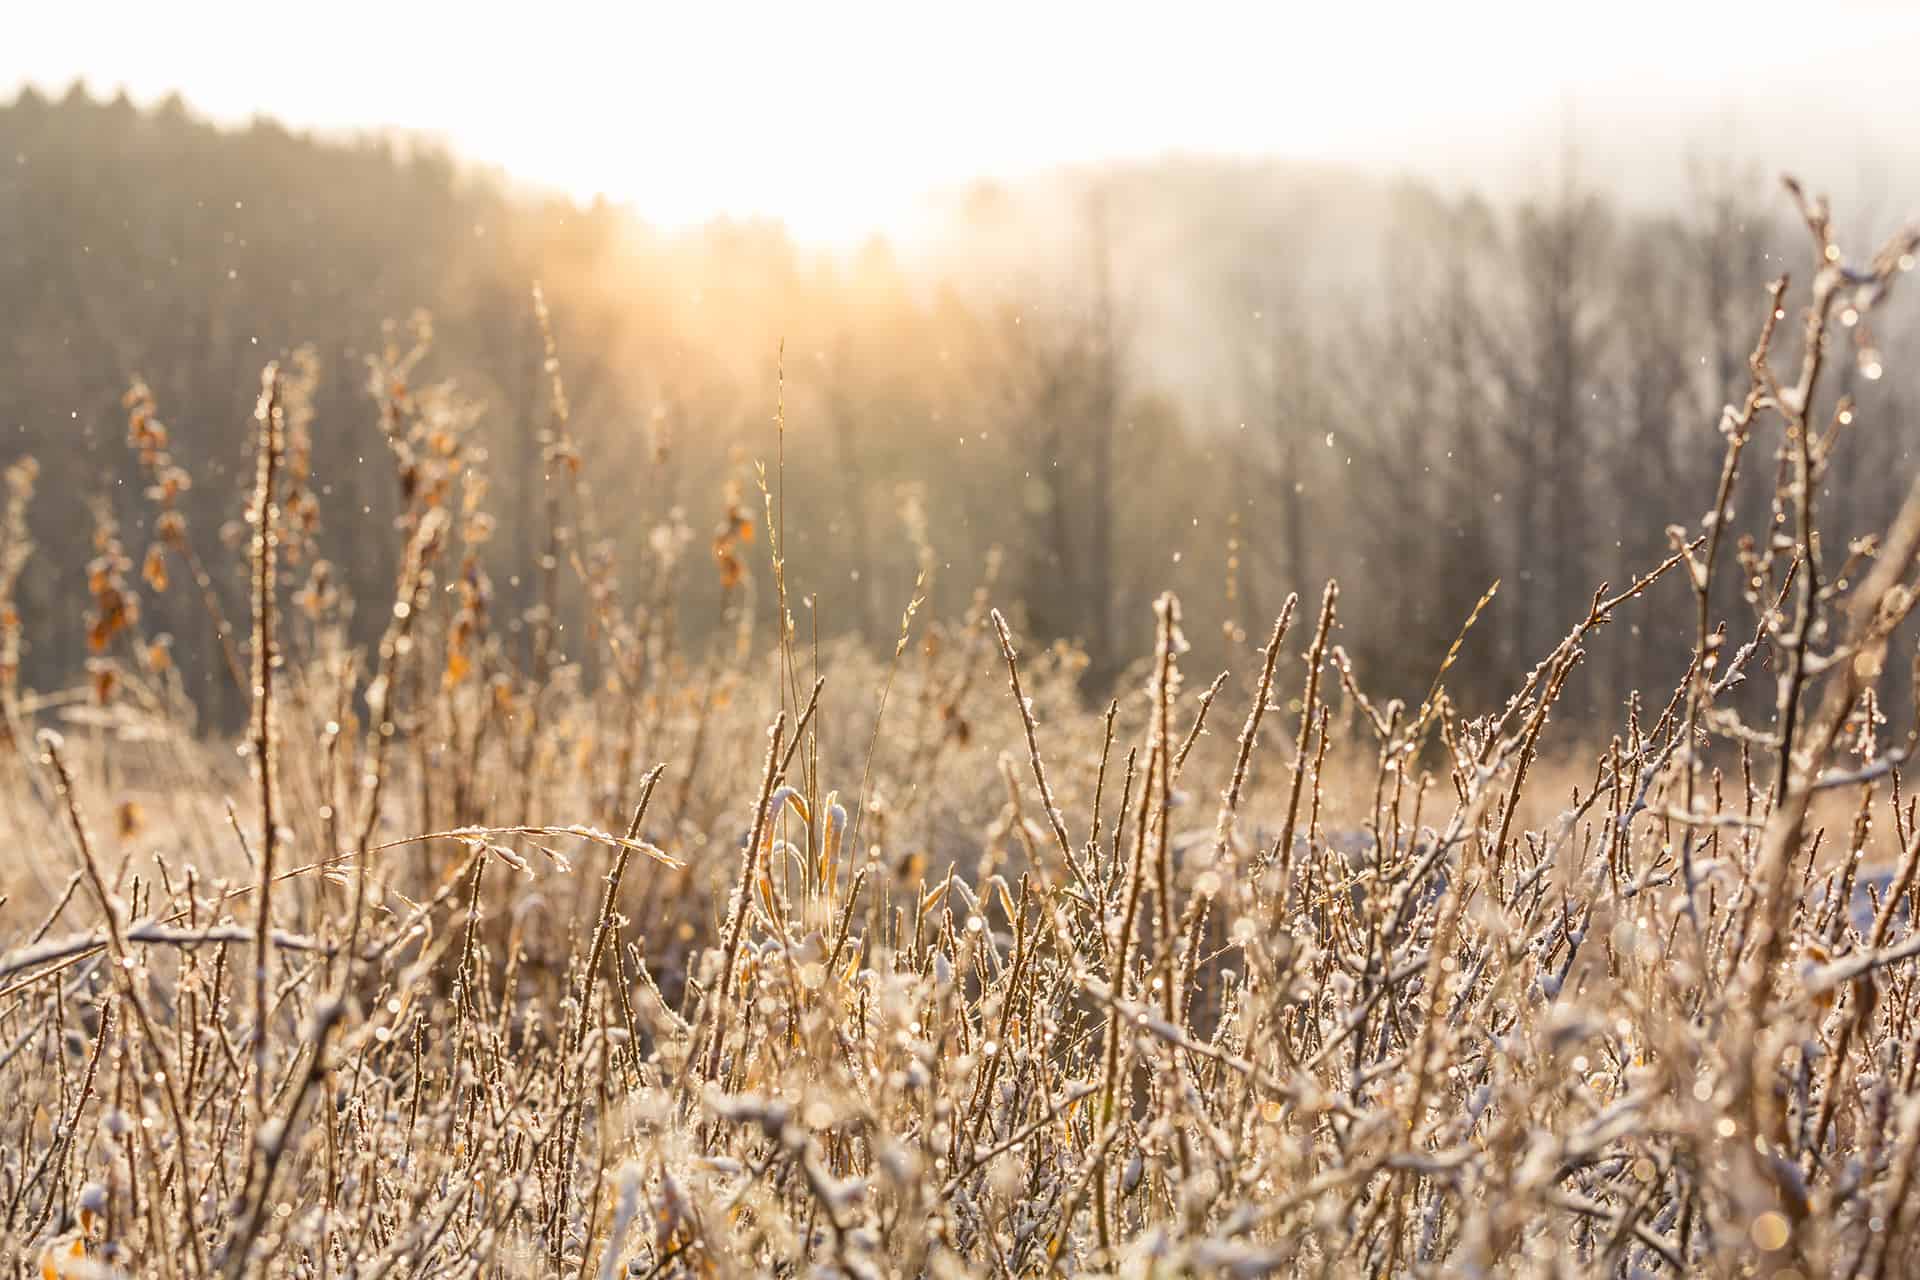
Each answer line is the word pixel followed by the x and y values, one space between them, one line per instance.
pixel 1486 345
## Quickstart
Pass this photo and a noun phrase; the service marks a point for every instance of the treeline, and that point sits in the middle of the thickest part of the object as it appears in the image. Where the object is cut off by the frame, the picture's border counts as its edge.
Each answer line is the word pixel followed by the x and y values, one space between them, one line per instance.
pixel 1231 379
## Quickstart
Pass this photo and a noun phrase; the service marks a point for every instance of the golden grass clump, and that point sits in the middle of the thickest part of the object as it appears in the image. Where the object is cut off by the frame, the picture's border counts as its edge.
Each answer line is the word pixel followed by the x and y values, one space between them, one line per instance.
pixel 876 972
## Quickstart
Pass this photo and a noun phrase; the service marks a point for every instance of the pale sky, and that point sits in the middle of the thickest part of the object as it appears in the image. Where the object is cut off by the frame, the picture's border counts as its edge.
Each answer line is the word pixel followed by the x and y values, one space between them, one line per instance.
pixel 837 116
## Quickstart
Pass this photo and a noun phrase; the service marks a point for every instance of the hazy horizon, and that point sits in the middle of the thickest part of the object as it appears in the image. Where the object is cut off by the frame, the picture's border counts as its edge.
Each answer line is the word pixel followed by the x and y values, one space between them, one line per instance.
pixel 861 119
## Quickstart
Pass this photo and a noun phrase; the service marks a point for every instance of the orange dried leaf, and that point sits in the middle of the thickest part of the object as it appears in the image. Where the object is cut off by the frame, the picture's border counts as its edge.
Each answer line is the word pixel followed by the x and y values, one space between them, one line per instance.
pixel 155 568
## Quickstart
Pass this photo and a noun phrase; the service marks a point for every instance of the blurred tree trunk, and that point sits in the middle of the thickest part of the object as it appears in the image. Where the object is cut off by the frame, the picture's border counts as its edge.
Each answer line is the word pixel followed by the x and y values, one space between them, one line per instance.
pixel 843 420
pixel 1102 409
pixel 1557 255
pixel 1651 386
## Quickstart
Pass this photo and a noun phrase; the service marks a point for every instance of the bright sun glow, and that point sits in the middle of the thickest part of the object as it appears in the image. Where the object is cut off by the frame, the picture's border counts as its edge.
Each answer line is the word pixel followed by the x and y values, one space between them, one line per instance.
pixel 835 117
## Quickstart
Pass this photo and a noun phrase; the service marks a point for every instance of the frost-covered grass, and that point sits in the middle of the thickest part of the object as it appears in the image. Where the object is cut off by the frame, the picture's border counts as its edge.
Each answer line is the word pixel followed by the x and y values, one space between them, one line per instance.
pixel 487 958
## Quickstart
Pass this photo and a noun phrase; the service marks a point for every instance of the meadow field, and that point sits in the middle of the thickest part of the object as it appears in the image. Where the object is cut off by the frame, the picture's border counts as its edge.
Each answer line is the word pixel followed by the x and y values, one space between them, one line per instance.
pixel 566 949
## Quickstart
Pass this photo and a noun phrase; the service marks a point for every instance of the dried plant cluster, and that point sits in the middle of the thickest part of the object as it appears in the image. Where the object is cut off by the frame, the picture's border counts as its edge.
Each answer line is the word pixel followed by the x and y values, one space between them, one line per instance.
pixel 876 971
